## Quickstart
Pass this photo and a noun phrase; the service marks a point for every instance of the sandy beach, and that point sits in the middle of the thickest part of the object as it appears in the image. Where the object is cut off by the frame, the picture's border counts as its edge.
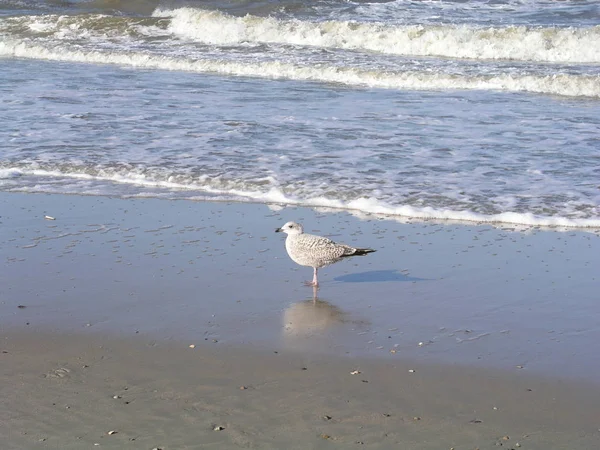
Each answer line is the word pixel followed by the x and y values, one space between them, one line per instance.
pixel 72 391
pixel 145 323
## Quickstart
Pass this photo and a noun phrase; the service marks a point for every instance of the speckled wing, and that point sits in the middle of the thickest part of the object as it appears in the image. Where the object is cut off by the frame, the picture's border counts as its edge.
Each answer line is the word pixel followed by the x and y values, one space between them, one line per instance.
pixel 316 251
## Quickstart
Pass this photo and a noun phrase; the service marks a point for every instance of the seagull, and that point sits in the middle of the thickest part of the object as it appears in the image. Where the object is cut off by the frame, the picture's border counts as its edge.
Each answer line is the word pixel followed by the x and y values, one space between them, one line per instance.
pixel 315 251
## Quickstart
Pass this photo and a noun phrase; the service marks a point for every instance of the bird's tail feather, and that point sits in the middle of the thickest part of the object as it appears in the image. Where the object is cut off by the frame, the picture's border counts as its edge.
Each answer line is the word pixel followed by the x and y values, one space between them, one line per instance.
pixel 363 251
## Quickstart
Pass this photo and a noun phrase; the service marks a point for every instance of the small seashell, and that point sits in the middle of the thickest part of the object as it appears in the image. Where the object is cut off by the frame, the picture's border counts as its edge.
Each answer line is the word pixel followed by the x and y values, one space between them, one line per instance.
pixel 411 370
pixel 192 346
pixel 49 218
pixel 355 372
pixel 111 432
pixel 218 428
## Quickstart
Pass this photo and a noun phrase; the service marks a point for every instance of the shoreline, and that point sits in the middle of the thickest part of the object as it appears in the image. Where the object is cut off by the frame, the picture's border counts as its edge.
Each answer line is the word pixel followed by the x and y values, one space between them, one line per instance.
pixel 403 214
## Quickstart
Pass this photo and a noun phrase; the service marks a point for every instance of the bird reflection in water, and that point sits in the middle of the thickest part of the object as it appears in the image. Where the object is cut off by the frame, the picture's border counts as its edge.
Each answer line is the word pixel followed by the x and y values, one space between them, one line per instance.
pixel 309 321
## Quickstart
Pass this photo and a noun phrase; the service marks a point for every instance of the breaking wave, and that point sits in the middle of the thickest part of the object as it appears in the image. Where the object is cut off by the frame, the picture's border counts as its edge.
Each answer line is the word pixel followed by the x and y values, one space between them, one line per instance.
pixel 521 43
pixel 563 84
pixel 205 189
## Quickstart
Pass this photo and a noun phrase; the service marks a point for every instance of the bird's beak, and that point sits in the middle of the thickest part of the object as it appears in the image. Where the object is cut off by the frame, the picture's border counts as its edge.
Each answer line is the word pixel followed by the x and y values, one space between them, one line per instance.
pixel 278 230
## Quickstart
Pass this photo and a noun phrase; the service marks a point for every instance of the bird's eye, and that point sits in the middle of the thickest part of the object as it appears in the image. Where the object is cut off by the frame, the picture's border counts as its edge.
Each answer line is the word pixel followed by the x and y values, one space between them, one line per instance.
pixel 290 226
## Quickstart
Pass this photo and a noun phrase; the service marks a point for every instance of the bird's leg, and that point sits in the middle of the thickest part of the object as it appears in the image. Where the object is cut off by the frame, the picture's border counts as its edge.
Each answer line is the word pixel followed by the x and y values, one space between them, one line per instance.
pixel 315 281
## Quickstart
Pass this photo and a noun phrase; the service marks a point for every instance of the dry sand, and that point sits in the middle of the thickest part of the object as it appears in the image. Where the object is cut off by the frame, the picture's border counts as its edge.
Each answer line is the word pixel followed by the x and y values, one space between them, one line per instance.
pixel 99 307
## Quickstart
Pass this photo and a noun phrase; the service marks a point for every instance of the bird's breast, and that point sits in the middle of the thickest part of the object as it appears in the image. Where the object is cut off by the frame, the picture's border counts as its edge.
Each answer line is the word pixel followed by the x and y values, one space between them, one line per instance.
pixel 298 254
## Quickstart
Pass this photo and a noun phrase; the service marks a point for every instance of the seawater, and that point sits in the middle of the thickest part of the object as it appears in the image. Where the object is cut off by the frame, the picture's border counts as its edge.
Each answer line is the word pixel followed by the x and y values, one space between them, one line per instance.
pixel 476 111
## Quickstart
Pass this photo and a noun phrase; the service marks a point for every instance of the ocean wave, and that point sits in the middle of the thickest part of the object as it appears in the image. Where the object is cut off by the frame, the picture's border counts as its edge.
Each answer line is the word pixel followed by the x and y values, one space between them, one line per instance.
pixel 574 45
pixel 520 43
pixel 275 195
pixel 562 84
pixel 82 26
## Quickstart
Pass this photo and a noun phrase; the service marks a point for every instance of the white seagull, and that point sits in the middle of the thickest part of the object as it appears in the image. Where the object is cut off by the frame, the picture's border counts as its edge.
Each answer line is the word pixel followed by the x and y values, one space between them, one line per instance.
pixel 315 251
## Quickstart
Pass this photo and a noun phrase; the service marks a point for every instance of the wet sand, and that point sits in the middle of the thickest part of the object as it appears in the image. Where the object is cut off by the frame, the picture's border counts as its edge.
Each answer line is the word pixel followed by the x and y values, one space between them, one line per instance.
pixel 70 392
pixel 464 336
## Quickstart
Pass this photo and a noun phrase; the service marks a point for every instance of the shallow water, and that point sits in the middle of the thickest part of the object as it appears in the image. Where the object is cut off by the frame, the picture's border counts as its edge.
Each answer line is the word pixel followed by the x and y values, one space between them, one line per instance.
pixel 193 272
pixel 483 111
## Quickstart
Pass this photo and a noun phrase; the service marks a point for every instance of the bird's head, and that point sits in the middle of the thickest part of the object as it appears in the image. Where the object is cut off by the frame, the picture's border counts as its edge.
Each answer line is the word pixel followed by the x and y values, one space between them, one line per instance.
pixel 291 228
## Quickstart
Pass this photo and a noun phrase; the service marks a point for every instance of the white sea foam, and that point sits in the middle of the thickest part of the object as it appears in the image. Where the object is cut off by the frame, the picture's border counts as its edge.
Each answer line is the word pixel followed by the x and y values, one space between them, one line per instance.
pixel 275 195
pixel 520 43
pixel 9 173
pixel 564 84
pixel 79 25
pixel 573 45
